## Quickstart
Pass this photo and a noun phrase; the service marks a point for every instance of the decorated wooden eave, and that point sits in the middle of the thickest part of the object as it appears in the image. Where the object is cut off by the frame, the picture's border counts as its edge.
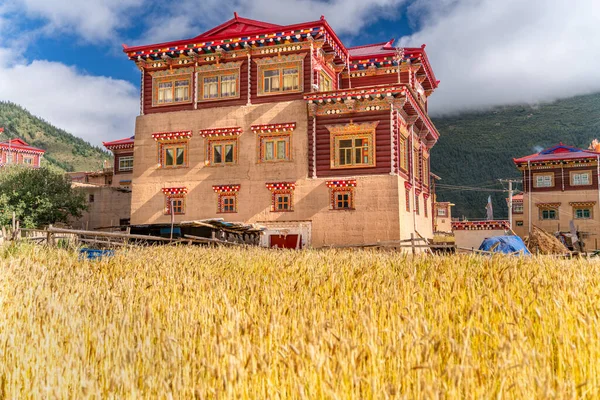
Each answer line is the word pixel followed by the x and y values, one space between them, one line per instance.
pixel 554 205
pixel 273 128
pixel 480 225
pixel 176 135
pixel 341 183
pixel 173 191
pixel 120 144
pixel 226 188
pixel 375 98
pixel 20 146
pixel 281 186
pixel 240 33
pixel 582 203
pixel 232 131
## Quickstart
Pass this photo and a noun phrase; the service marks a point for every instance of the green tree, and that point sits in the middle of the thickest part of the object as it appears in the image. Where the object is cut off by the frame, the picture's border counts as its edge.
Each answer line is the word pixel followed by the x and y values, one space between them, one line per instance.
pixel 38 197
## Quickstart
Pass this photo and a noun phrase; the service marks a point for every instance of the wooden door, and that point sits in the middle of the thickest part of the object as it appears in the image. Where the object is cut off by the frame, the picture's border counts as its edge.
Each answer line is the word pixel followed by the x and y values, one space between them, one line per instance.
pixel 285 241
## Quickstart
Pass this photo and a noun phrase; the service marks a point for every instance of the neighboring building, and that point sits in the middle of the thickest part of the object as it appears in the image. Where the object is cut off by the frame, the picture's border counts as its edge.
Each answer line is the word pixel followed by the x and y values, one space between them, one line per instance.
pixel 443 217
pixel 108 192
pixel 18 152
pixel 560 185
pixel 518 224
pixel 286 127
pixel 470 234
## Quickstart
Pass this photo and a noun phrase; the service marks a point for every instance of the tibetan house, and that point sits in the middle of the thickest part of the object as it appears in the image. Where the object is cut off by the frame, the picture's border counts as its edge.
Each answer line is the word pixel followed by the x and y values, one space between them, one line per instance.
pixel 286 127
pixel 560 185
pixel 108 192
pixel 18 152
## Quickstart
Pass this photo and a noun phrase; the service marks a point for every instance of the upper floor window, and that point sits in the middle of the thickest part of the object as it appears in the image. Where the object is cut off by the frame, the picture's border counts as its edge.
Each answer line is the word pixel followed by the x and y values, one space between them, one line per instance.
pixel 274 141
pixel 404 155
pixel 441 212
pixel 543 180
pixel 174 154
pixel 171 87
pixel 342 194
pixel 281 74
pixel 27 160
pixel 548 213
pixel 125 163
pixel 325 82
pixel 582 178
pixel 517 208
pixel 353 145
pixel 281 196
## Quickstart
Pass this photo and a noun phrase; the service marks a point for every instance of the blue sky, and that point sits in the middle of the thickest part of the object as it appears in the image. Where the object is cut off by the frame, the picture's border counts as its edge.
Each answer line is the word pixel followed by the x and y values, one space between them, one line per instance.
pixel 63 60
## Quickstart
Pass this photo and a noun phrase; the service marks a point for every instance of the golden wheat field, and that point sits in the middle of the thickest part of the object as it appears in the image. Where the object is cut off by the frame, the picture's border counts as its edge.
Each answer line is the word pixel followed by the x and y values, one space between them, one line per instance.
pixel 253 323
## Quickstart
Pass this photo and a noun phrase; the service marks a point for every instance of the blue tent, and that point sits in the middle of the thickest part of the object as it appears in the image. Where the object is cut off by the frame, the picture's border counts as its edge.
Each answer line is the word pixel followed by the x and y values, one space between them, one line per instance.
pixel 505 244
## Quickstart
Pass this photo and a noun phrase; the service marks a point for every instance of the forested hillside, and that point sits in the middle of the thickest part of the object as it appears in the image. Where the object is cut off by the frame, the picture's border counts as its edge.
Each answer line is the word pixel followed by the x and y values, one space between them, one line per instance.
pixel 63 150
pixel 476 149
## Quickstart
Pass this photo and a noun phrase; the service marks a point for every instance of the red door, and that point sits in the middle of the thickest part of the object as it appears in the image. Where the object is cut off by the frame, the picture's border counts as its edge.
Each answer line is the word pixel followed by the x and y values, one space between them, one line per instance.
pixel 285 241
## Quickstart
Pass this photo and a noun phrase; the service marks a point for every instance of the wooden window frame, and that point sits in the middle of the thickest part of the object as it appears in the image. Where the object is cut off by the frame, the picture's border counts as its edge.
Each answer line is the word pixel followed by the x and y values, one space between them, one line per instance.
pixel 264 138
pixel 128 158
pixel 442 212
pixel 221 141
pixel 219 74
pixel 163 146
pixel 519 223
pixel 324 77
pixel 583 208
pixel 335 192
pixel 27 160
pixel 417 204
pixel 548 209
pixel 335 146
pixel 171 78
pixel 222 197
pixel 572 175
pixel 407 199
pixel 277 194
pixel 539 175
pixel 514 211
pixel 279 63
pixel 169 198
pixel 404 156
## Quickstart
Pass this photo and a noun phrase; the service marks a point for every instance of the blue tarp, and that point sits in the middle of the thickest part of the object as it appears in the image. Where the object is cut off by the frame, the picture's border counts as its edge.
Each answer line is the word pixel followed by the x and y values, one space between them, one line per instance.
pixel 505 244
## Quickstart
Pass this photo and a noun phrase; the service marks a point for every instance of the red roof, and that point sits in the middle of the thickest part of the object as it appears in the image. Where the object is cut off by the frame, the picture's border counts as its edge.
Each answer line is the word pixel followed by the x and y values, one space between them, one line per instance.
pixel 20 145
pixel 235 26
pixel 558 153
pixel 372 49
pixel 120 143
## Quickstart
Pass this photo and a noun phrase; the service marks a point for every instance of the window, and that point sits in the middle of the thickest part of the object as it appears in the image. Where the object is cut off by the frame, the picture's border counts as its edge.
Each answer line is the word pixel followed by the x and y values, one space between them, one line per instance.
pixel 125 163
pixel 342 200
pixel 28 160
pixel 91 198
pixel 416 163
pixel 172 90
pixel 353 151
pixel 407 198
pixel 441 212
pixel 404 154
pixel 217 87
pixel 517 208
pixel 417 203
pixel 222 152
pixel 582 213
pixel 426 171
pixel 274 148
pixel 325 82
pixel 282 196
pixel 283 202
pixel 425 206
pixel 281 74
pixel 519 223
pixel 227 203
pixel 174 155
pixel 581 178
pixel 545 180
pixel 548 213
pixel 176 203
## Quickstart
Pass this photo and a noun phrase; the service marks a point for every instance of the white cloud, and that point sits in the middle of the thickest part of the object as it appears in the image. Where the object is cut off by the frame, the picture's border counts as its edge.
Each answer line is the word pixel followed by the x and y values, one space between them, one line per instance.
pixel 490 52
pixel 92 20
pixel 94 108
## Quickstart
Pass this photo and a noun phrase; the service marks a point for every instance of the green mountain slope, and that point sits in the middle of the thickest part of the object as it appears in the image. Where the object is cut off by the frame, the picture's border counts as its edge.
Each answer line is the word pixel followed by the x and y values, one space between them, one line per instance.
pixel 63 150
pixel 476 149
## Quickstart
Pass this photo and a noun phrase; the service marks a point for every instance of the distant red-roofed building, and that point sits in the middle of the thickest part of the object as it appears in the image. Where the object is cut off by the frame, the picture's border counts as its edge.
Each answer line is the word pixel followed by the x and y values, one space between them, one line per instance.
pixel 560 185
pixel 18 152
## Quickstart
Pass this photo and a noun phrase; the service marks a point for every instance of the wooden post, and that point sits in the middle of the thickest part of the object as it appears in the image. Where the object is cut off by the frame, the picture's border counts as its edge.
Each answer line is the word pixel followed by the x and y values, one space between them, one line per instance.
pixel 412 243
pixel 49 240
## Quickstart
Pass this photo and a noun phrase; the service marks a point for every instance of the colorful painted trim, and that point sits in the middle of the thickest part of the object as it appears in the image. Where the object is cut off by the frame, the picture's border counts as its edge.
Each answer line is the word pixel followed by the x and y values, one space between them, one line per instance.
pixel 281 186
pixel 175 190
pixel 172 135
pixel 547 205
pixel 273 128
pixel 342 183
pixel 226 188
pixel 480 225
pixel 221 132
pixel 582 203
